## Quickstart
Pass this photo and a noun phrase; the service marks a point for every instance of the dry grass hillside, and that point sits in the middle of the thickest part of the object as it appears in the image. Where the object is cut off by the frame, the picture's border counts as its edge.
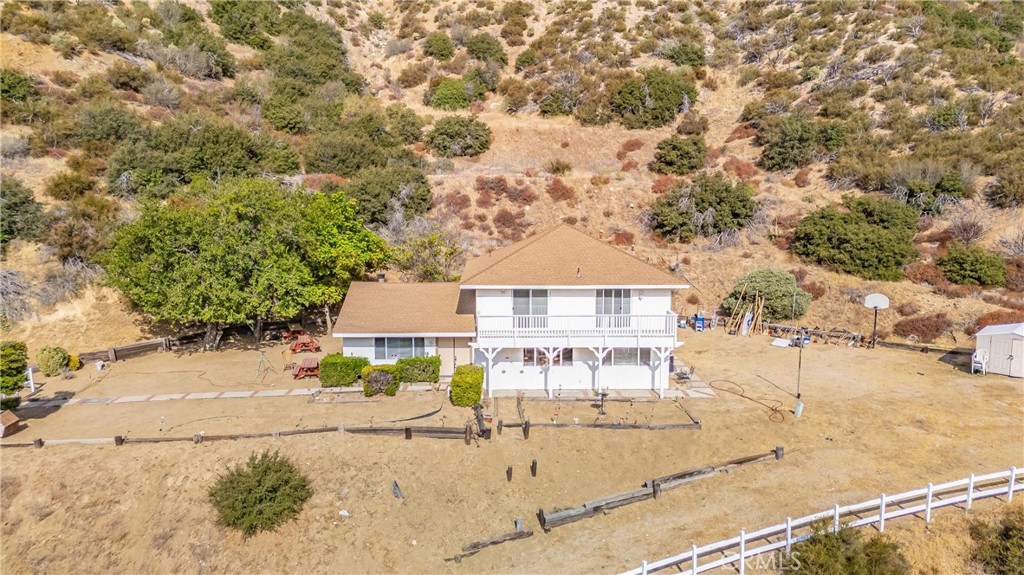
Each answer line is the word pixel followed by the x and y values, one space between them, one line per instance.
pixel 918 92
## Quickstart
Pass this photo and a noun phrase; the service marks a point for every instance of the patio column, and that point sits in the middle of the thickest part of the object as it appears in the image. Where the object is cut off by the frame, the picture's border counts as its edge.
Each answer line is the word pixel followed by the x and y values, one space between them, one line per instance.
pixel 601 353
pixel 489 353
pixel 663 355
pixel 549 353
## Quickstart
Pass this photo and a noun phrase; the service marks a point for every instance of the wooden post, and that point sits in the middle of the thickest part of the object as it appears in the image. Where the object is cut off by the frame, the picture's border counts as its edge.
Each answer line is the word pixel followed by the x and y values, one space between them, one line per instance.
pixel 118 440
pixel 341 429
pixel 533 468
pixel 656 489
pixel 408 433
pixel 526 429
pixel 1009 490
pixel 112 355
pixel 501 424
pixel 881 515
pixel 197 438
pixel 469 434
pixel 508 473
pixel 779 451
pixel 37 443
pixel 928 505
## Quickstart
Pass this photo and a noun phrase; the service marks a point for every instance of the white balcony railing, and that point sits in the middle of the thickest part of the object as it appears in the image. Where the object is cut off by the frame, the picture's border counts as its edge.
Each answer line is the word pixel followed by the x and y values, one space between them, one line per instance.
pixel 576 326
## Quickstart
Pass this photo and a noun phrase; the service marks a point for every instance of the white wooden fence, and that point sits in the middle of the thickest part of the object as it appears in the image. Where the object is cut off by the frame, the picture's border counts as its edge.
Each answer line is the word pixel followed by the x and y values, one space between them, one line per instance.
pixel 886 507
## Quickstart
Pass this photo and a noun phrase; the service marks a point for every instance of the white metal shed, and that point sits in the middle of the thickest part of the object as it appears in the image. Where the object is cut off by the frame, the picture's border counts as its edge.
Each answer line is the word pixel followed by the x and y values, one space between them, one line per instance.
pixel 1005 346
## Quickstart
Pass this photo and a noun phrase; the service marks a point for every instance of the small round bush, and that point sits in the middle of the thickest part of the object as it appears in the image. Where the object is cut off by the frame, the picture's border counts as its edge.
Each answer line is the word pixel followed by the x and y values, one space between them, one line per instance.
pixel 526 59
pixel 438 45
pixel 16 87
pixel 467 385
pixel 260 495
pixel 486 48
pixel 74 362
pixel 69 185
pixel 450 94
pixel 52 360
pixel 459 136
pixel 966 264
pixel 680 155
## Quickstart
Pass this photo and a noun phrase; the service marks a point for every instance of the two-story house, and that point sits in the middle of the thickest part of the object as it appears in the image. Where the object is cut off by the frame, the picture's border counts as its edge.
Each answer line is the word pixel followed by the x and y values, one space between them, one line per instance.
pixel 557 311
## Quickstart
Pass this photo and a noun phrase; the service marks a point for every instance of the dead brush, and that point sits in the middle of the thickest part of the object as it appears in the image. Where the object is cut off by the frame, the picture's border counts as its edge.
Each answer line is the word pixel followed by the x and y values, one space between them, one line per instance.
pixel 630 145
pixel 969 225
pixel 559 191
pixel 925 328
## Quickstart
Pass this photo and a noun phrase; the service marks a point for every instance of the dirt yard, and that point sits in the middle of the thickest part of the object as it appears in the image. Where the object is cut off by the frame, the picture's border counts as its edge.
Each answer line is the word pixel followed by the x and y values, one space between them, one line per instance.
pixel 875 420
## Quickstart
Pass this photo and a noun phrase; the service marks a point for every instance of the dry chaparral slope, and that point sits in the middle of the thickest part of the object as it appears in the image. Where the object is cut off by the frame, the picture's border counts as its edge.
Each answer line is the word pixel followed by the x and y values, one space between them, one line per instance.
pixel 893 421
pixel 919 91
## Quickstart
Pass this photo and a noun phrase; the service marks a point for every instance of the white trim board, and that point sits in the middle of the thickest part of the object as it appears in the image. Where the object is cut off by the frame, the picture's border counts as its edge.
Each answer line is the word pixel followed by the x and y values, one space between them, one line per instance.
pixel 419 334
pixel 574 286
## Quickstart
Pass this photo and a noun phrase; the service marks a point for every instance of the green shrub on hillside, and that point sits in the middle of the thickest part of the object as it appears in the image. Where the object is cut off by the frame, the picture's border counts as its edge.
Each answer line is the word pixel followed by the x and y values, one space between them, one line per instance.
pixel 1008 189
pixel 404 124
pixel 264 493
pixel 125 76
pixel 873 240
pixel 419 369
pixel 438 45
pixel 162 158
pixel 787 142
pixel 52 360
pixel 450 94
pixel 971 265
pixel 375 190
pixel 467 385
pixel 459 136
pixel 284 115
pixel 525 59
pixel 16 87
pixel 683 213
pixel 337 370
pixel 69 185
pixel 479 81
pixel 684 54
pixel 106 122
pixel 486 48
pixel 651 101
pixel 23 216
pixel 680 156
pixel 783 300
pixel 246 22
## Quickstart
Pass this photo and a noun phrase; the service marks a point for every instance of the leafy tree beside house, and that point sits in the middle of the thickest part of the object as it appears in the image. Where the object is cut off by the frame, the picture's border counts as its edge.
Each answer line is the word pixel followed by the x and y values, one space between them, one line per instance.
pixel 13 363
pixel 243 251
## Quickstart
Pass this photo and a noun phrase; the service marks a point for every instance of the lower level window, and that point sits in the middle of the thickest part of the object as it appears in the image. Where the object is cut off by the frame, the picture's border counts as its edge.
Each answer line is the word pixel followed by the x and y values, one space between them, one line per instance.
pixel 537 358
pixel 399 347
pixel 628 356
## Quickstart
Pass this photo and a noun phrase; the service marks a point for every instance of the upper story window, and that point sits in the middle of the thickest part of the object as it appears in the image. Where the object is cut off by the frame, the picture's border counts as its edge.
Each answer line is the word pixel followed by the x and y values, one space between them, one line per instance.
pixel 530 302
pixel 613 301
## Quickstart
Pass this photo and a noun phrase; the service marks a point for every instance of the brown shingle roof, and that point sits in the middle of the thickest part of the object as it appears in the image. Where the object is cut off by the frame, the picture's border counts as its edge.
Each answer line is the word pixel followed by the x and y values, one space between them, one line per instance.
pixel 565 256
pixel 405 308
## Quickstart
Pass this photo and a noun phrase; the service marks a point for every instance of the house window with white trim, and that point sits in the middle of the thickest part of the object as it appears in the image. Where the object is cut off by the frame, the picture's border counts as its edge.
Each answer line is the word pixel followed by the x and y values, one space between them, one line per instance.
pixel 530 302
pixel 628 356
pixel 533 357
pixel 613 301
pixel 399 347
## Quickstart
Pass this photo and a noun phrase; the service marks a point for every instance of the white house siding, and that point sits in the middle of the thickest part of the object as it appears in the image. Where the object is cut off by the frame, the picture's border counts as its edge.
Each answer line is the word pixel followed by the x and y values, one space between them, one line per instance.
pixel 511 374
pixel 574 301
pixel 364 347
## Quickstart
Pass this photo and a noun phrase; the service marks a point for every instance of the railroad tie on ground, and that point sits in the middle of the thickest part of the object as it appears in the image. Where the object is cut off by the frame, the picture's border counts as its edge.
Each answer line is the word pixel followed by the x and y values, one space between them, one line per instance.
pixel 652 489
pixel 477 546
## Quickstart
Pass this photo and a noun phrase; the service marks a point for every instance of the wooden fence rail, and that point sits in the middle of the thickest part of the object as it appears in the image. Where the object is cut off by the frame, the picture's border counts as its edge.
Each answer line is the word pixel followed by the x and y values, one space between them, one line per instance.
pixel 785 535
pixel 464 433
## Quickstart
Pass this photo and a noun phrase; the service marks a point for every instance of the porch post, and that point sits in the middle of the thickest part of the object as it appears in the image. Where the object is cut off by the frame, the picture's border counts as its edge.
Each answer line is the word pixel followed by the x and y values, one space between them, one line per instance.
pixel 600 352
pixel 663 354
pixel 489 353
pixel 549 352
